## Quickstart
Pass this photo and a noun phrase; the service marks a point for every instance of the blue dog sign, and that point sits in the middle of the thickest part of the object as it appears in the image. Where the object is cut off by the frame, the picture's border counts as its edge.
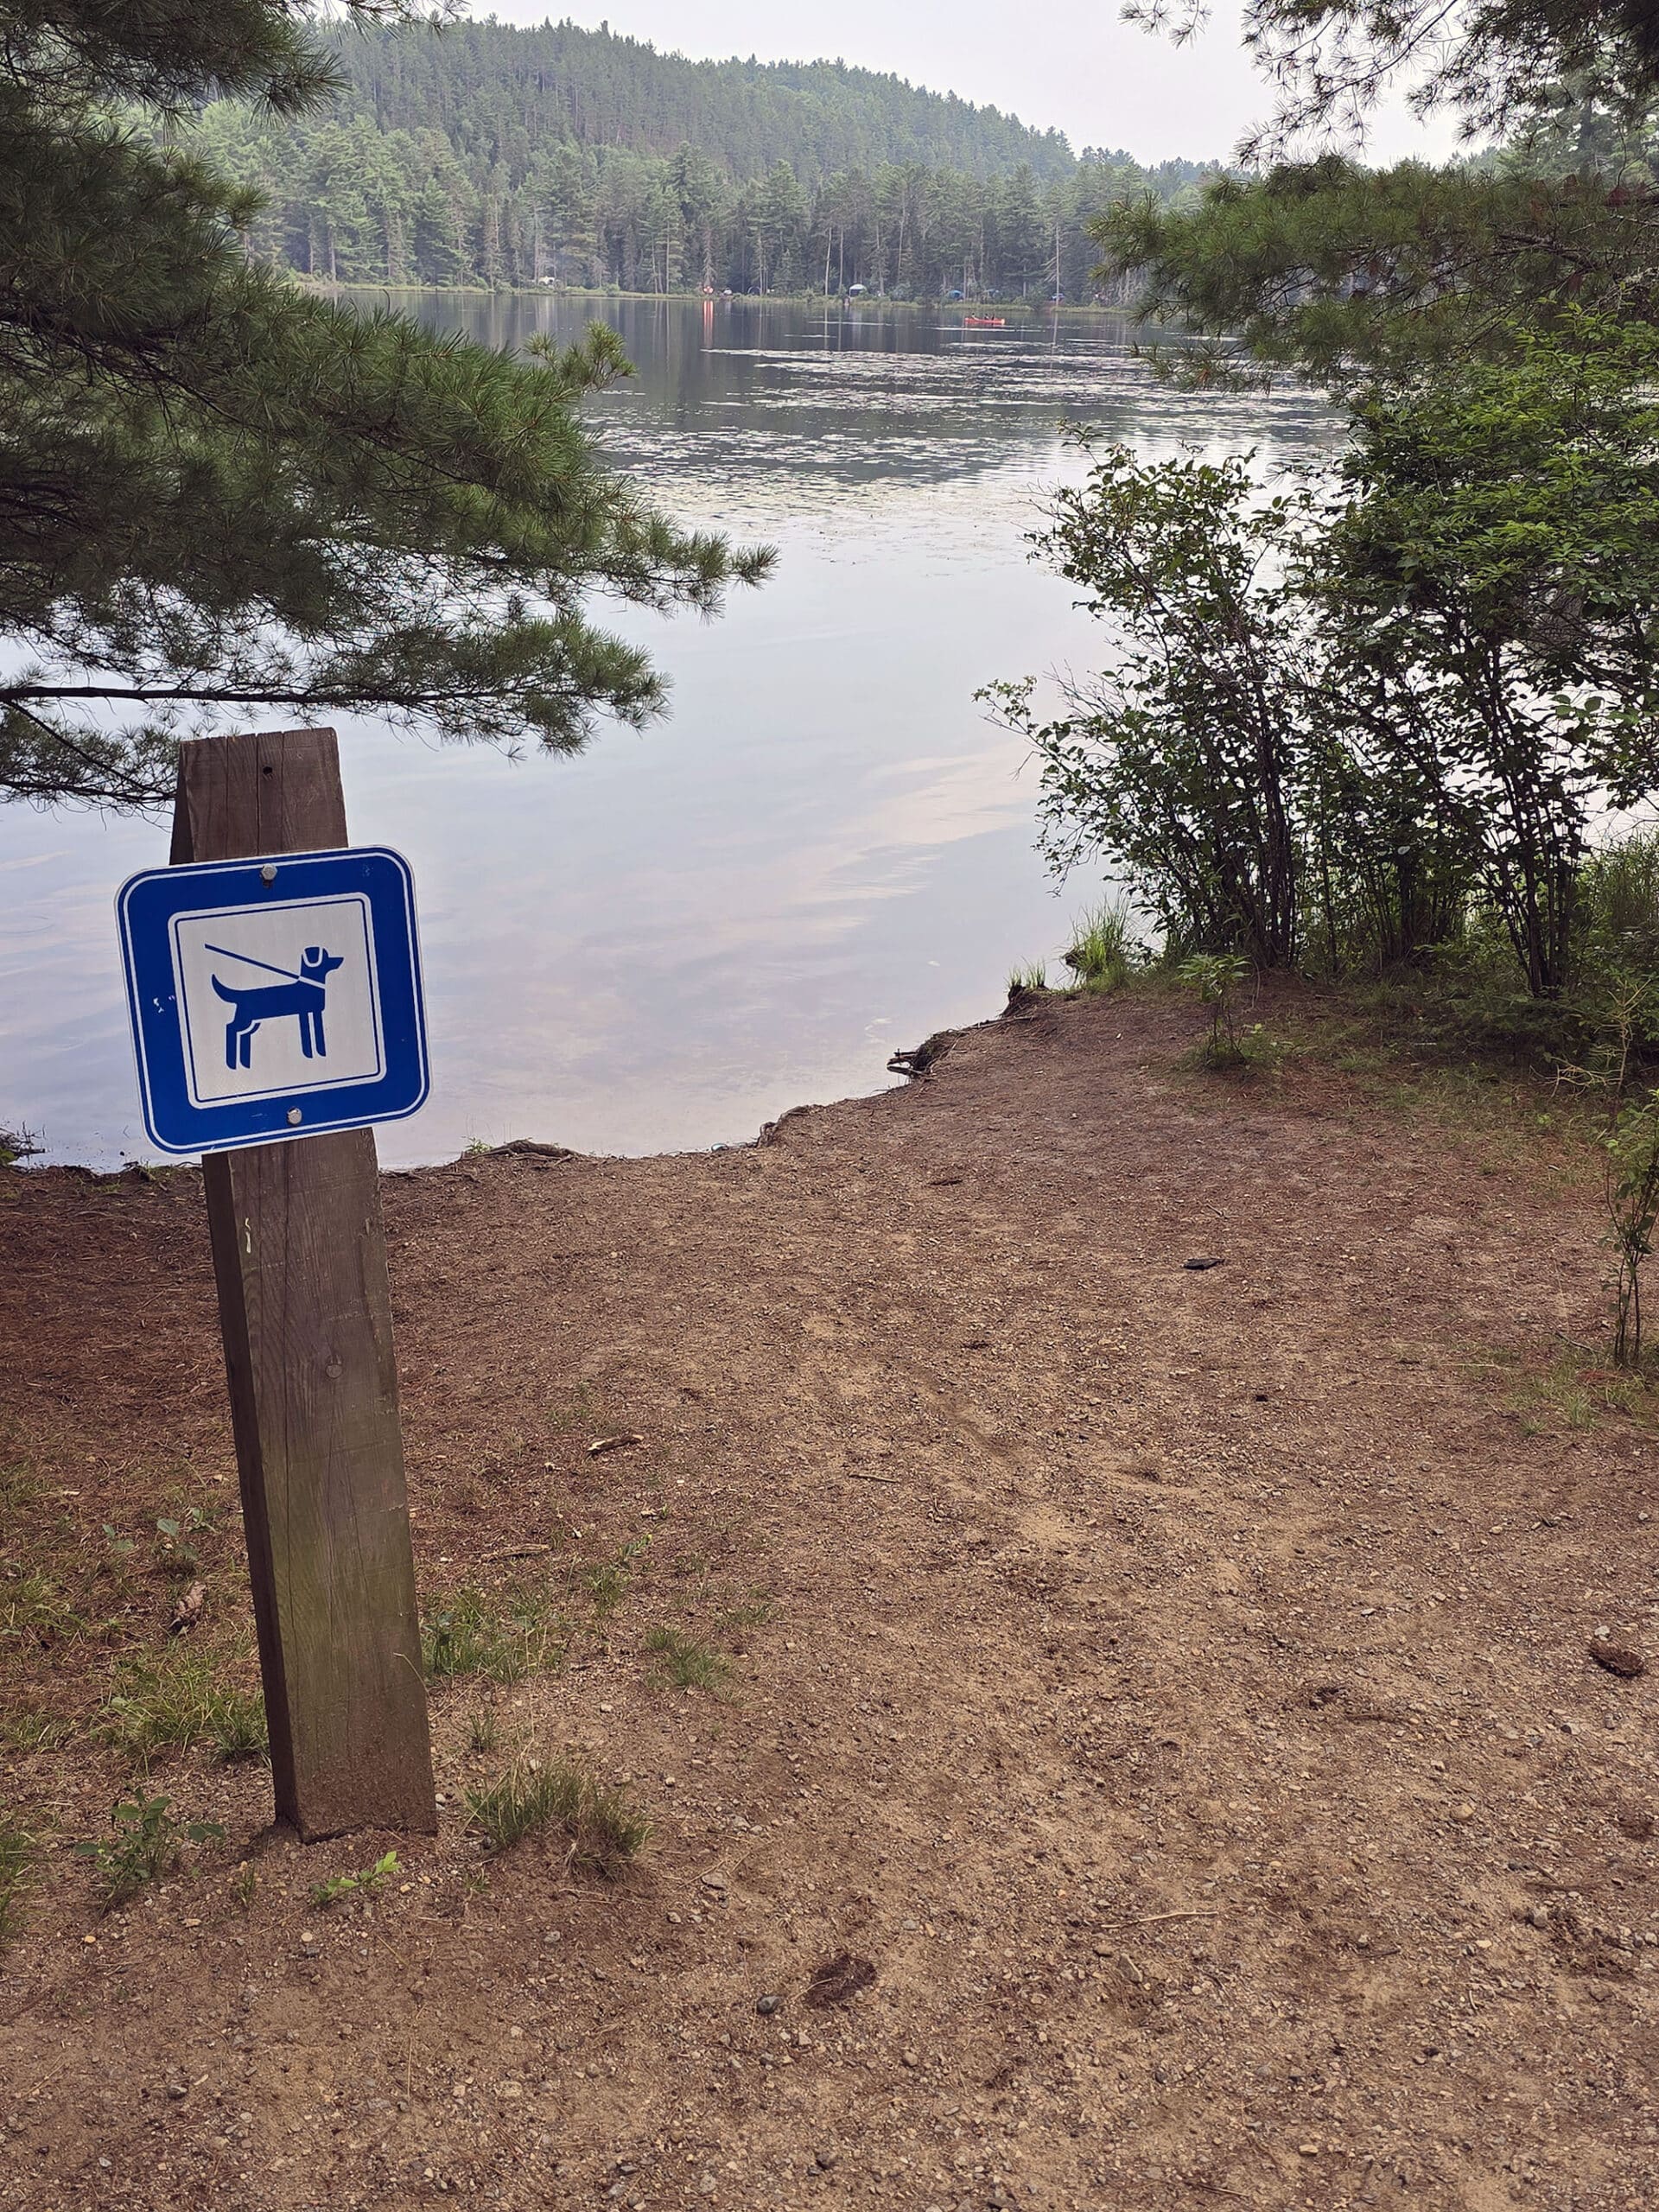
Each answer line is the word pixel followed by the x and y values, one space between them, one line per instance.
pixel 274 998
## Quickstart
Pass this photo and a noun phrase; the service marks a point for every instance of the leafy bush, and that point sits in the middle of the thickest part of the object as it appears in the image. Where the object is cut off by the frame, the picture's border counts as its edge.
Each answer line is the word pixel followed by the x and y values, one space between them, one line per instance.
pixel 1215 979
pixel 1180 761
pixel 1344 715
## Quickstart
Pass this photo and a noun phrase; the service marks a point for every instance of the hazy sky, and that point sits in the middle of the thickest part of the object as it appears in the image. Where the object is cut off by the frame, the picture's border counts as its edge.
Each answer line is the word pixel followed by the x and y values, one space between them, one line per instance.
pixel 1067 63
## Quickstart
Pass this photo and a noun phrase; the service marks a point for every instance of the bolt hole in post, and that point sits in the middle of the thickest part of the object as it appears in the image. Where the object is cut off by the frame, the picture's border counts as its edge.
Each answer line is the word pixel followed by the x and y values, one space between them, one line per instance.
pixel 295 1226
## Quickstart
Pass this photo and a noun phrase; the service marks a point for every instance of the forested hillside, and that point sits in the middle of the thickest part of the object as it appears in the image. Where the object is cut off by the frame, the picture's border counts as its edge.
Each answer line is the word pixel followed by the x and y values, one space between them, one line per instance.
pixel 486 154
pixel 503 93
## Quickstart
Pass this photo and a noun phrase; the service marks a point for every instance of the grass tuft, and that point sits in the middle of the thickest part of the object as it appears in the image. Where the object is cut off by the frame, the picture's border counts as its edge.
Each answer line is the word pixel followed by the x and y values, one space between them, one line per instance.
pixel 502 1635
pixel 34 1728
pixel 609 1581
pixel 33 1608
pixel 1106 951
pixel 178 1700
pixel 1578 1390
pixel 603 1832
pixel 755 1610
pixel 17 1857
pixel 683 1662
pixel 1034 976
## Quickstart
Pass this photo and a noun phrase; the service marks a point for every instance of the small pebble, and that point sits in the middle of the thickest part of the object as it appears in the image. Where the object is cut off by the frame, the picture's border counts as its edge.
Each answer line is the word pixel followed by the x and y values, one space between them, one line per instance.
pixel 767 2005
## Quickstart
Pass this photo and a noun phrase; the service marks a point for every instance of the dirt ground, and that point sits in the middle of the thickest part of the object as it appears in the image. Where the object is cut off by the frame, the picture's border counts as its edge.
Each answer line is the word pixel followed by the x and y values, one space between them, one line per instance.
pixel 1175 1684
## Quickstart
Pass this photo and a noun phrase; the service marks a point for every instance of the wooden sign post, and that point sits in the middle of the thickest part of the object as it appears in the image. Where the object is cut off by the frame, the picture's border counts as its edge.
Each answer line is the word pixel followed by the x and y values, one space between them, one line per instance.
pixel 305 1307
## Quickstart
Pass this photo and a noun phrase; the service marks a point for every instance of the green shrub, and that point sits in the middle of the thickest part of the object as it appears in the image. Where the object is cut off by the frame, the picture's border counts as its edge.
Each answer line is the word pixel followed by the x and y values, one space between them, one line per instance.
pixel 1215 979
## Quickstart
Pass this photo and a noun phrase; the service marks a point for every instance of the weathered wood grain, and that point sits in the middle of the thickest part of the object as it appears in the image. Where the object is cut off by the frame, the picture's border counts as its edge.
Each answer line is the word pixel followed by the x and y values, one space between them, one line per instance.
pixel 299 1251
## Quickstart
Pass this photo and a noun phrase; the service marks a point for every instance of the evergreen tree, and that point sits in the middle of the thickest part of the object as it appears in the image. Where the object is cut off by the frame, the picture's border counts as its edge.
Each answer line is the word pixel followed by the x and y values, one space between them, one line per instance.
pixel 439 251
pixel 1320 263
pixel 1021 232
pixel 219 495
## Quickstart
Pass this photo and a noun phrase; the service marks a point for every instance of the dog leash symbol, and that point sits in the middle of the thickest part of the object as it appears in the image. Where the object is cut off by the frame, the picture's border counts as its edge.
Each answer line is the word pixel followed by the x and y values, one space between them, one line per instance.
pixel 224 952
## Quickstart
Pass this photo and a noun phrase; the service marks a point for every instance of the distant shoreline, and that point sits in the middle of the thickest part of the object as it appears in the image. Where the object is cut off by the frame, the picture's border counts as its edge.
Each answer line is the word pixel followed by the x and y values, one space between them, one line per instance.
pixel 1023 310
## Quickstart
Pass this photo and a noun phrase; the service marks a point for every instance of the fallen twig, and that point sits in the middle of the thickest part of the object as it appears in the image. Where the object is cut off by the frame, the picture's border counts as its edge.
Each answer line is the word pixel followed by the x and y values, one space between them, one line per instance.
pixel 1210 1912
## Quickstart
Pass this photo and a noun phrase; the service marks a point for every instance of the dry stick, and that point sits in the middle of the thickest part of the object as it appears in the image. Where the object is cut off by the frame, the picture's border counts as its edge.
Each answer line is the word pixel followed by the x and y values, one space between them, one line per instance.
pixel 894 1482
pixel 1213 1912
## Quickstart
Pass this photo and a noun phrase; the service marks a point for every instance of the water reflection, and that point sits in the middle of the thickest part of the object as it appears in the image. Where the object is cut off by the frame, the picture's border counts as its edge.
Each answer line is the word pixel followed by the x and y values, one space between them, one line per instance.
pixel 826 853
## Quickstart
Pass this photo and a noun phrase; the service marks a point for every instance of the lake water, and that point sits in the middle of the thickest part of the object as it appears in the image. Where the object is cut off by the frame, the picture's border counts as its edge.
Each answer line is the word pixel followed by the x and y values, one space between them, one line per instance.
pixel 824 854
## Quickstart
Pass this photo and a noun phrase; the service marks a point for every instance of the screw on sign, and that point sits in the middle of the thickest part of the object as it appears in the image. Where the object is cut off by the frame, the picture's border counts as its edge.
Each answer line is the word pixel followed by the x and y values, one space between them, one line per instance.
pixel 273 986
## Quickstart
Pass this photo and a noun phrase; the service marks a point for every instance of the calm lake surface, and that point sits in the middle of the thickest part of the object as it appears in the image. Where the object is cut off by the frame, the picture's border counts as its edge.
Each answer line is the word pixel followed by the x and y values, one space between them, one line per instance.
pixel 824 854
